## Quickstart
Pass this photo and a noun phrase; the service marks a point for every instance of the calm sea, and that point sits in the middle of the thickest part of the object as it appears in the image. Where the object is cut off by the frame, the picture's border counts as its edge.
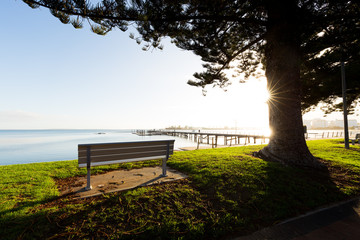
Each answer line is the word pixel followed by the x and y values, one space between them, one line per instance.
pixel 29 146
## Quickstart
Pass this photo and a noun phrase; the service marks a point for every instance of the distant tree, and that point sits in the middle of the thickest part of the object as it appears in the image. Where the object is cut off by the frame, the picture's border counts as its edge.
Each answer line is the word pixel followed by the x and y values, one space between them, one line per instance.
pixel 299 43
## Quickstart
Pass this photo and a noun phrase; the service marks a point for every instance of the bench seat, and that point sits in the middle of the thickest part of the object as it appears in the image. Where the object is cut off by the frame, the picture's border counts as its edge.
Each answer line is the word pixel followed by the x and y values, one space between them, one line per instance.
pixel 98 154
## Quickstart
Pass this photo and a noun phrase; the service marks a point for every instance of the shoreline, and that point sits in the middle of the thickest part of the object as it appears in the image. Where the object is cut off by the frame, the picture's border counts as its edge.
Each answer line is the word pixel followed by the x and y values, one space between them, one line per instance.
pixel 34 146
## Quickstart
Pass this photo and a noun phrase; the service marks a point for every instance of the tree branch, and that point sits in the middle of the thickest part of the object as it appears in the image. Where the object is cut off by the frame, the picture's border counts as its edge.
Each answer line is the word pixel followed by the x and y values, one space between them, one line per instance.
pixel 237 53
pixel 230 18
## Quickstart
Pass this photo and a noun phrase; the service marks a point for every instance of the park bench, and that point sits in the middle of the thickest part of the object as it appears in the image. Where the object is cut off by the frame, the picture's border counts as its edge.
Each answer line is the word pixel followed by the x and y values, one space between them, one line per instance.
pixel 357 138
pixel 112 153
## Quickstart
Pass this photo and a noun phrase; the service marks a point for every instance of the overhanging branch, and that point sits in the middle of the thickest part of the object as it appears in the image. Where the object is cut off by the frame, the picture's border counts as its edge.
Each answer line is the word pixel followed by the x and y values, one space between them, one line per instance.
pixel 86 14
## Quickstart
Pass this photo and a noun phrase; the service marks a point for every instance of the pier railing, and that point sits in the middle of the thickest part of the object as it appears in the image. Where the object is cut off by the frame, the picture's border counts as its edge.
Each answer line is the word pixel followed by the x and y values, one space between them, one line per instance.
pixel 209 138
pixel 327 134
pixel 228 139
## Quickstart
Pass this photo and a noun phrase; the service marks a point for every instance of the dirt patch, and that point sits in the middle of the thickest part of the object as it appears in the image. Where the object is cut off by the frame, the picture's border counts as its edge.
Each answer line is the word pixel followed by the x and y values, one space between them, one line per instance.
pixel 114 181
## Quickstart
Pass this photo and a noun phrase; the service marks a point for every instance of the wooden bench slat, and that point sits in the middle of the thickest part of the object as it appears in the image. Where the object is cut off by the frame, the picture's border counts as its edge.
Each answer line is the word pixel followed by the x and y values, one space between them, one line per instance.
pixel 123 145
pixel 102 151
pixel 101 158
pixel 121 161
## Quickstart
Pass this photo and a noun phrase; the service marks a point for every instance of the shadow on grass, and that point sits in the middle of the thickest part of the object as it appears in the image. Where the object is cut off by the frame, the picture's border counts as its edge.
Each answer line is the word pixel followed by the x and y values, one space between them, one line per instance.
pixel 326 223
pixel 270 196
pixel 16 226
pixel 20 206
pixel 233 196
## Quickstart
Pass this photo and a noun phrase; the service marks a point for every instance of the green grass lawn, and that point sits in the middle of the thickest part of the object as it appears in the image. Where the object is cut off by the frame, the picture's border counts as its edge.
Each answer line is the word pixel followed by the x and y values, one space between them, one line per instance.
pixel 229 192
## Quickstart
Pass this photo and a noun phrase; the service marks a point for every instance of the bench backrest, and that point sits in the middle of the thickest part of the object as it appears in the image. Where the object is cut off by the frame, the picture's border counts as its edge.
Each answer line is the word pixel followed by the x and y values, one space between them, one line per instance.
pixel 112 153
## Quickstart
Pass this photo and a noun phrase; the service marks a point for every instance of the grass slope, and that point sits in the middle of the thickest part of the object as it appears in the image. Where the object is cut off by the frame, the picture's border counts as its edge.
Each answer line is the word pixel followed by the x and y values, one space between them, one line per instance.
pixel 228 192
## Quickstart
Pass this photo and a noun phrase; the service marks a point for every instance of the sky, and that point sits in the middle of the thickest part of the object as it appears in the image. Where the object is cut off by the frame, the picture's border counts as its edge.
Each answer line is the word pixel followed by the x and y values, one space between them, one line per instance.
pixel 53 76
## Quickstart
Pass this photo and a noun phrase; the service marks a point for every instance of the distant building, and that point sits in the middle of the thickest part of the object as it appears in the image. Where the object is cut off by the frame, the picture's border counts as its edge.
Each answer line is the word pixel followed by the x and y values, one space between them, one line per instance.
pixel 319 123
pixel 340 123
pixel 307 123
pixel 322 123
pixel 352 123
pixel 337 123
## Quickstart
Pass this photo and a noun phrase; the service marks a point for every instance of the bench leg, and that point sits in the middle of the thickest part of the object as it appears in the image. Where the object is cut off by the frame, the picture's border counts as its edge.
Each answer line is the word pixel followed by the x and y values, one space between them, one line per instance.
pixel 88 166
pixel 164 168
pixel 88 185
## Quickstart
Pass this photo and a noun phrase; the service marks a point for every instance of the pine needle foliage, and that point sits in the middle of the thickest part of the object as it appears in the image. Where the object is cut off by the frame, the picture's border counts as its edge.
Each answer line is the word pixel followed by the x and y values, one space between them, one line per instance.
pixel 232 35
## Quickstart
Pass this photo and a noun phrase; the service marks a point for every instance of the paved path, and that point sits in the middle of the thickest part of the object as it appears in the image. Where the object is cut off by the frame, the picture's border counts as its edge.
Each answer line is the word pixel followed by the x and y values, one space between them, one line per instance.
pixel 341 221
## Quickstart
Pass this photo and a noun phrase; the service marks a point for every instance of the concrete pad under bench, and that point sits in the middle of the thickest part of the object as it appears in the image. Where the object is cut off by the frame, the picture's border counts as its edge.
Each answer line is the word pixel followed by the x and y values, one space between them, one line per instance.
pixel 120 180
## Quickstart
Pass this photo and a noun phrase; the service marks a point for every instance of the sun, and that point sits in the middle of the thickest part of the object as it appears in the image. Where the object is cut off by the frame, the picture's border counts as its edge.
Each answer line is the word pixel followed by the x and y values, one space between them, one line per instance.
pixel 248 104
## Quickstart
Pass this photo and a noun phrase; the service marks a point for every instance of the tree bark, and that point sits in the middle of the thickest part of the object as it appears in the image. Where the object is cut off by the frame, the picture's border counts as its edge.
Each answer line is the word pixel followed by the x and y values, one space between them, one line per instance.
pixel 282 54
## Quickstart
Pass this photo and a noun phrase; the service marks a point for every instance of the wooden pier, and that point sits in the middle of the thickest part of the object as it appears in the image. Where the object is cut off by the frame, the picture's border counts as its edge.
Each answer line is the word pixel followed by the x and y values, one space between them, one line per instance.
pixel 210 138
pixel 229 139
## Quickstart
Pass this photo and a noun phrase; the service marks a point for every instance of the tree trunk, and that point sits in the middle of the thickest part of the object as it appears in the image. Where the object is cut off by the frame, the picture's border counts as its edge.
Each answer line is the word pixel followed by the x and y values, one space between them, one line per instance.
pixel 282 54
